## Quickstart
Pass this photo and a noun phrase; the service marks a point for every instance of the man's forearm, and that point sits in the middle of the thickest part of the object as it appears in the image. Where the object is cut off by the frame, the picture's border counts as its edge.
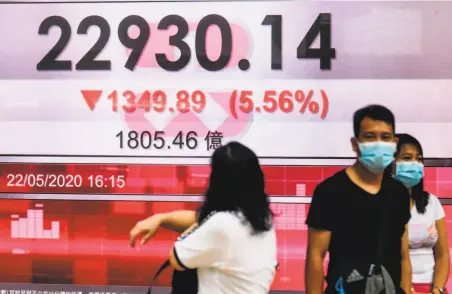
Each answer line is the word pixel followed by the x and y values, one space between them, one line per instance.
pixel 178 221
pixel 406 275
pixel 314 275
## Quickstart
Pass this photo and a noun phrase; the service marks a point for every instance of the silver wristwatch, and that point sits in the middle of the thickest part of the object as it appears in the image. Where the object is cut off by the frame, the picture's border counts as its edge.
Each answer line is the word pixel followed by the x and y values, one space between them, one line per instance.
pixel 441 290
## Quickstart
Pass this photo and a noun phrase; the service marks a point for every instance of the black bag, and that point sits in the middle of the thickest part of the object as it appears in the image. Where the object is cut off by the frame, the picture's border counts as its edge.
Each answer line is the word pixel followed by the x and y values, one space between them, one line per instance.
pixel 183 282
pixel 355 277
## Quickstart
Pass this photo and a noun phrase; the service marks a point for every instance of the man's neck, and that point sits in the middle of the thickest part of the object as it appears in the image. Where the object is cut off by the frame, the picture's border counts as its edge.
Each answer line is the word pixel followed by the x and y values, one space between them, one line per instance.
pixel 364 175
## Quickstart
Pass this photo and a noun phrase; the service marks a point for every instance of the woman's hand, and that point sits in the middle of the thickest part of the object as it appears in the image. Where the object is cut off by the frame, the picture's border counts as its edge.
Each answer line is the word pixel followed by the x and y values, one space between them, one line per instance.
pixel 147 227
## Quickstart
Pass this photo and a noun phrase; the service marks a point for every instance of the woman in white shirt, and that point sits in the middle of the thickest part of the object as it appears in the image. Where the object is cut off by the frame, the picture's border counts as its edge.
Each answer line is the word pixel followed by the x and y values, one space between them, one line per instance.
pixel 429 251
pixel 234 246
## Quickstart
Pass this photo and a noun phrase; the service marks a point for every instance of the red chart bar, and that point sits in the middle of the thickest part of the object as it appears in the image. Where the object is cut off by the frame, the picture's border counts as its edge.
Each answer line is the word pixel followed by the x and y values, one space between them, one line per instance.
pixel 171 179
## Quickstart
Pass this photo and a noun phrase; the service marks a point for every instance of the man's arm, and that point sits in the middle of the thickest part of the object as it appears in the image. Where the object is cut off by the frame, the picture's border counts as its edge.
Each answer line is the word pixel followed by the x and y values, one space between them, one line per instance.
pixel 318 243
pixel 406 263
pixel 320 222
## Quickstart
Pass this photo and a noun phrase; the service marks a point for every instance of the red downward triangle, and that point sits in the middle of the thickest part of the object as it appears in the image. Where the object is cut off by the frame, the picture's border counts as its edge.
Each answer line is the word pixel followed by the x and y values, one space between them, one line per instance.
pixel 91 97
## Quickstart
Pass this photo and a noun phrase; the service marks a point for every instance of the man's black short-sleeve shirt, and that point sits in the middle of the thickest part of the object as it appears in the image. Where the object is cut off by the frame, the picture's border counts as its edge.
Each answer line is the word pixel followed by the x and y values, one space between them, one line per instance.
pixel 353 216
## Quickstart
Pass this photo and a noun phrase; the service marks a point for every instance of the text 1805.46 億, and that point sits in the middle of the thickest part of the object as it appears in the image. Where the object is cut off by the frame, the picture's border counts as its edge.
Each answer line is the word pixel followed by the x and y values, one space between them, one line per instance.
pixel 156 140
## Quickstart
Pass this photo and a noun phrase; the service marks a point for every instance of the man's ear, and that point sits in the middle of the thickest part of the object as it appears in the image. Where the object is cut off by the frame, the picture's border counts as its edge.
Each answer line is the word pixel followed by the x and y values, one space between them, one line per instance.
pixel 354 142
pixel 397 140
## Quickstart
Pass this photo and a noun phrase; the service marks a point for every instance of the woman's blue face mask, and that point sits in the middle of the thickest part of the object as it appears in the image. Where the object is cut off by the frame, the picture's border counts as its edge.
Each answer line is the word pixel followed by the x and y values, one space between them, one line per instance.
pixel 410 173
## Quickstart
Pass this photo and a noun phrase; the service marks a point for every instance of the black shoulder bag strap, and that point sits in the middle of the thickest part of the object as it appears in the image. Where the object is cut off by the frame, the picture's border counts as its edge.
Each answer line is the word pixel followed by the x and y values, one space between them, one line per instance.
pixel 157 274
pixel 181 281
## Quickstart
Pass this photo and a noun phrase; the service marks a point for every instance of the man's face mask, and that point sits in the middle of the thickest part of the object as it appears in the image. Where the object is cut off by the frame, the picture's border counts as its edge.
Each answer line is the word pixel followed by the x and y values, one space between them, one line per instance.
pixel 376 156
pixel 409 173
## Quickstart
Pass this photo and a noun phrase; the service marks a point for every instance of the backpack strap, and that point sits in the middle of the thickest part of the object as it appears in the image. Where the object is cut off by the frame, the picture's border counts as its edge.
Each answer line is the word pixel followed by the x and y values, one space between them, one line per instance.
pixel 157 274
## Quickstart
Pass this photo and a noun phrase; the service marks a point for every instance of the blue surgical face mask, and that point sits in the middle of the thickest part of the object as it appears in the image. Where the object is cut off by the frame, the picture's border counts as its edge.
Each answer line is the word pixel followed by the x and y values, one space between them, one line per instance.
pixel 376 156
pixel 410 173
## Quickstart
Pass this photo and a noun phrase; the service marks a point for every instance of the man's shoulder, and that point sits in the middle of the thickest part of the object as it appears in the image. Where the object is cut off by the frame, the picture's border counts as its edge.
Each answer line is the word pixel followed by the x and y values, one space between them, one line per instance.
pixel 395 187
pixel 393 183
pixel 397 195
pixel 333 182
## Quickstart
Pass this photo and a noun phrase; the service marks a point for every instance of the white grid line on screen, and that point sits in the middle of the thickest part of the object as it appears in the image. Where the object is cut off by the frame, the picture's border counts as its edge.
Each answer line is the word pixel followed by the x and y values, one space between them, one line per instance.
pixel 156 198
pixel 129 197
pixel 170 160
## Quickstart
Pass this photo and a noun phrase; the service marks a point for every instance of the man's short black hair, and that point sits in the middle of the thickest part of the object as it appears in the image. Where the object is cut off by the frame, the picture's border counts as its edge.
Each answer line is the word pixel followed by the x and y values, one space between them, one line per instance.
pixel 375 112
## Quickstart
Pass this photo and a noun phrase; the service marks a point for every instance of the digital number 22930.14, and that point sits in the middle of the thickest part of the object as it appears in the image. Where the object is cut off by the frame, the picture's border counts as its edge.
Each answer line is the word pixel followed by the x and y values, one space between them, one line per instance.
pixel 321 26
pixel 148 140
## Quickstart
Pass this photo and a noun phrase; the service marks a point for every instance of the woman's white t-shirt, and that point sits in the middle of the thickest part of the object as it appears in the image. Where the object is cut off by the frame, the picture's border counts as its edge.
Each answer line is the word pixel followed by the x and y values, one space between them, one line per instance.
pixel 423 235
pixel 229 258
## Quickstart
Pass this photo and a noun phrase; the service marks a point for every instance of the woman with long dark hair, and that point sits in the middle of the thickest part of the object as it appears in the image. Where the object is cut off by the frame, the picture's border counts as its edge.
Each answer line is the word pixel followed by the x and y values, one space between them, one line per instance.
pixel 429 250
pixel 230 240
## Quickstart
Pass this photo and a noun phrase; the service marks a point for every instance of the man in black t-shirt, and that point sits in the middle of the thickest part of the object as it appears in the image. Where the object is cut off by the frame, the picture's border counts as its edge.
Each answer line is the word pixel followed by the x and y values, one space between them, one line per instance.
pixel 346 209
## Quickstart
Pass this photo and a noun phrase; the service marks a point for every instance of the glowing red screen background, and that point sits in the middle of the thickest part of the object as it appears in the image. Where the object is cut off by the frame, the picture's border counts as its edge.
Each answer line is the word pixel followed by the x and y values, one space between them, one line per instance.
pixel 86 242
